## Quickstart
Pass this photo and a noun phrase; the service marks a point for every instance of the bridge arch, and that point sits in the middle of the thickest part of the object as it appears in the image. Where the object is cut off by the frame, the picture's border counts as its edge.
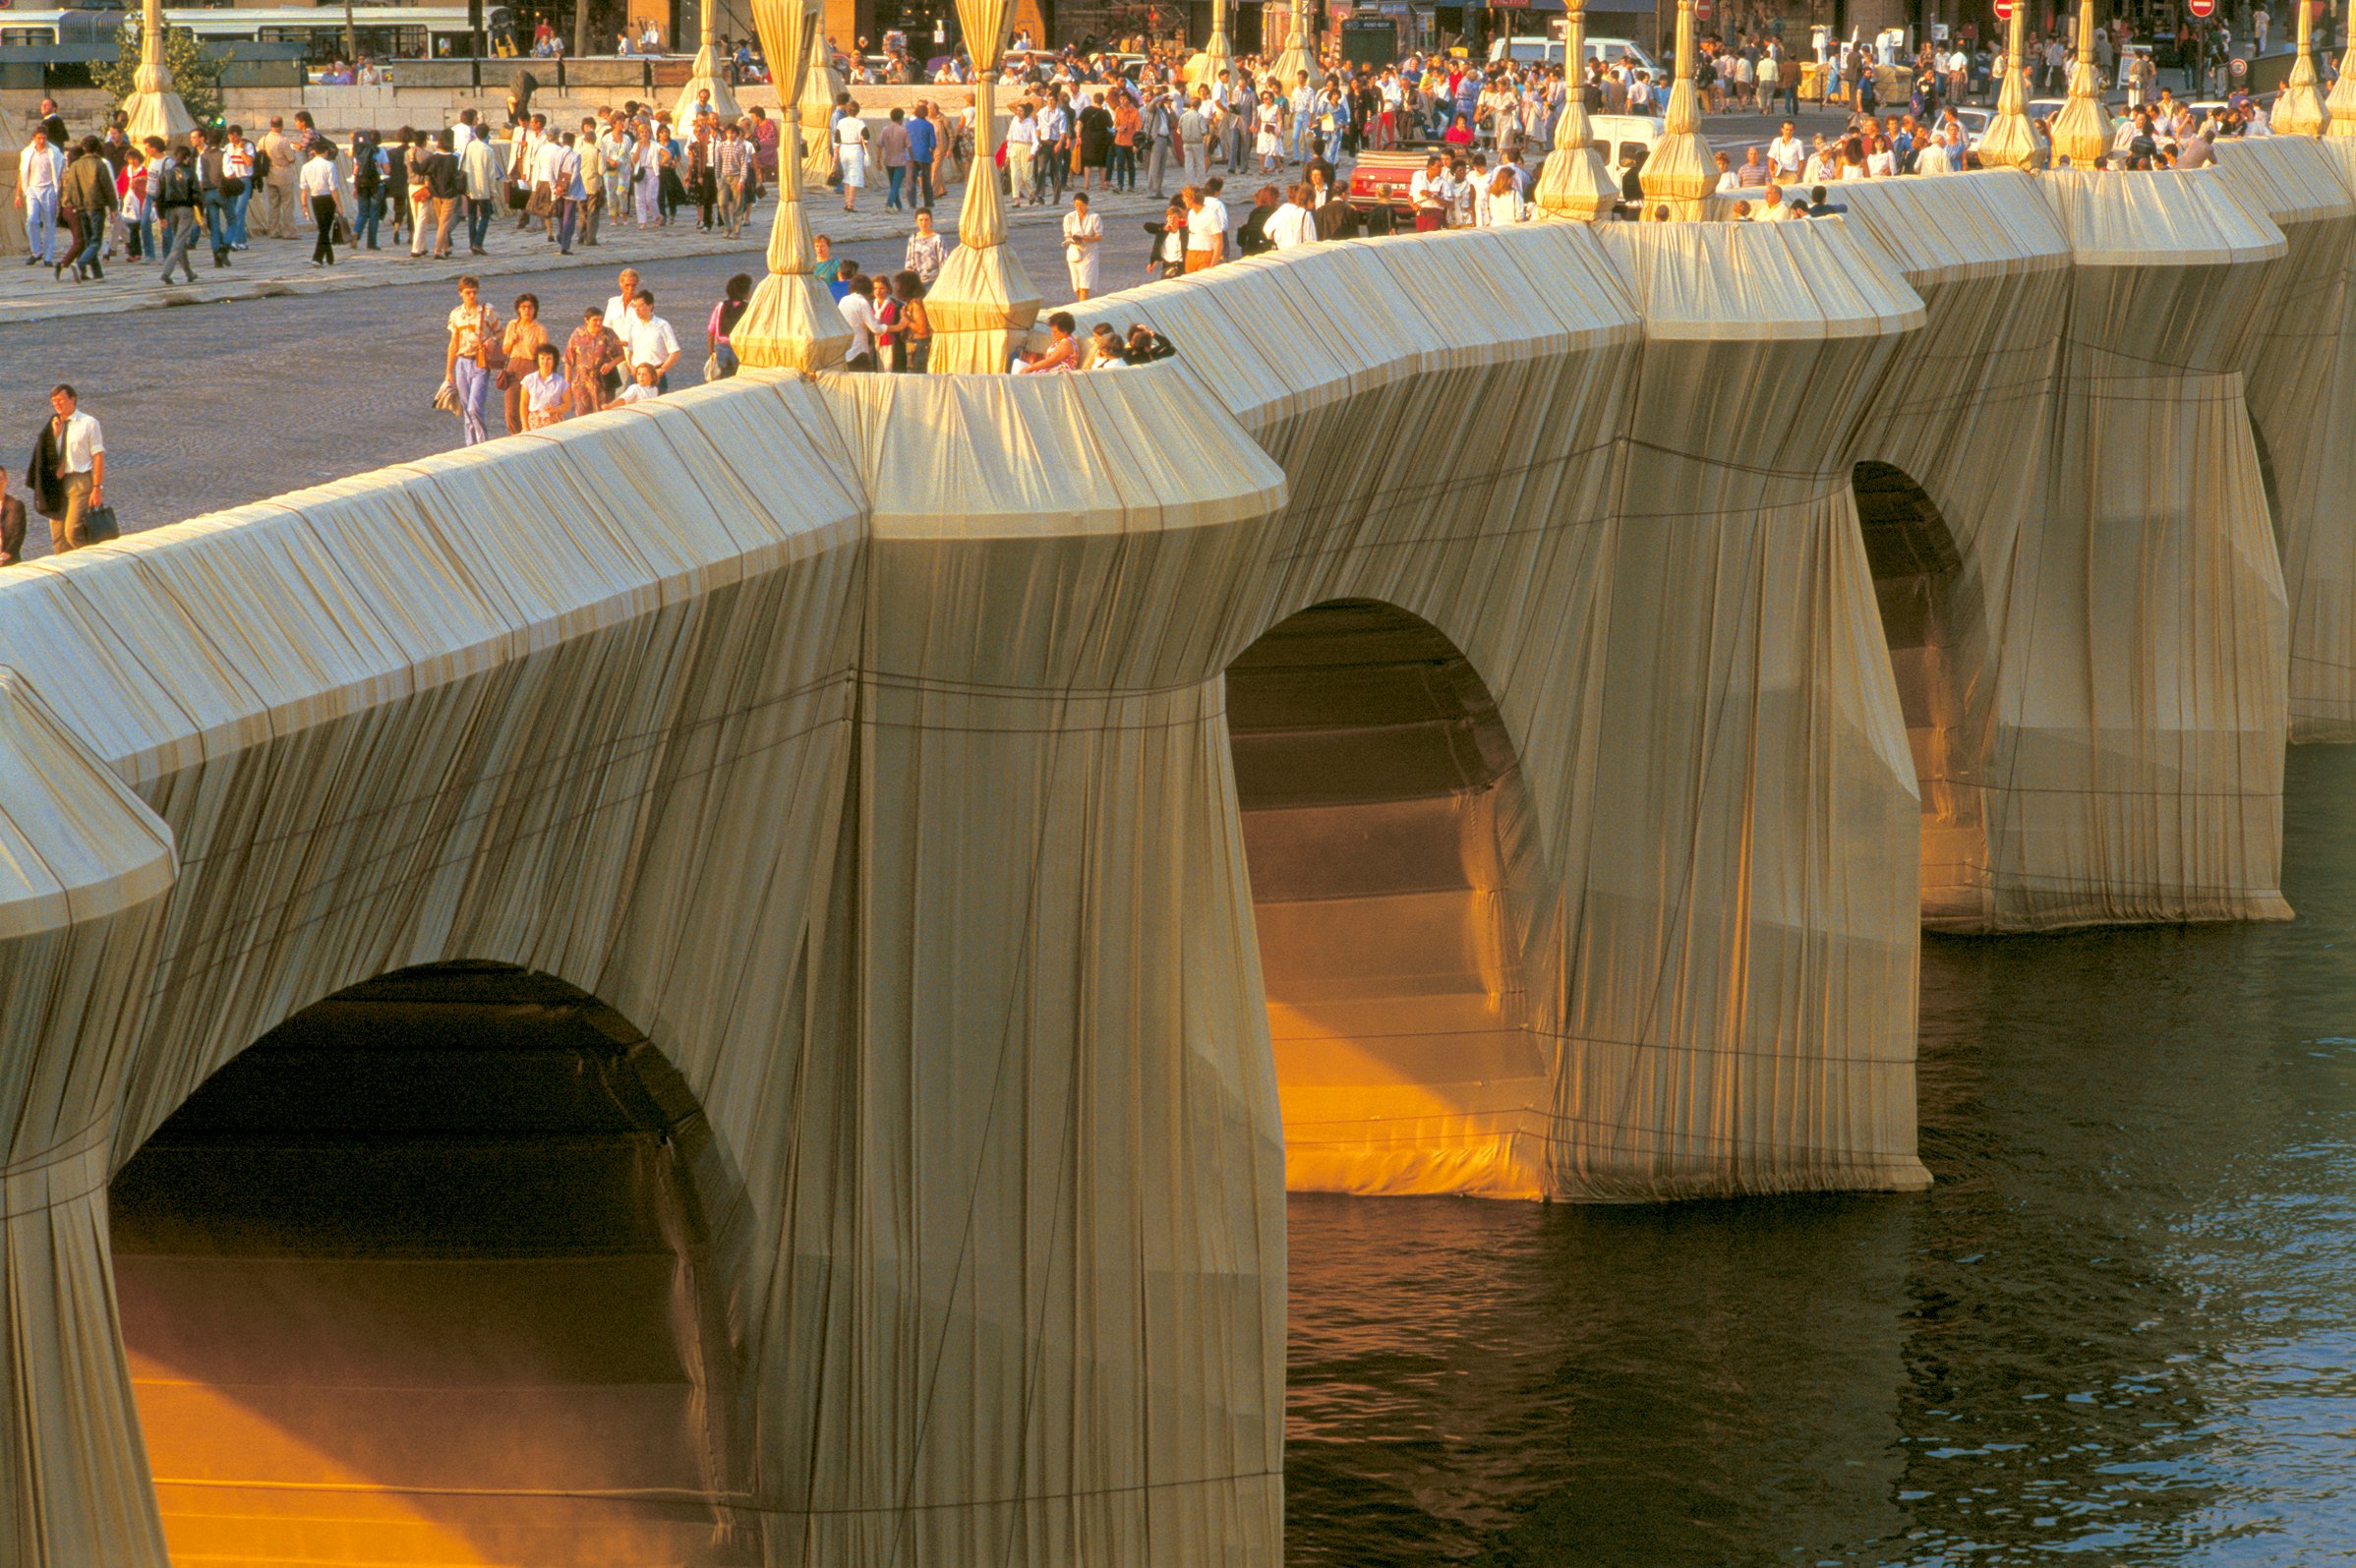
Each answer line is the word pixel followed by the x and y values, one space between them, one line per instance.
pixel 1931 624
pixel 433 1272
pixel 1391 861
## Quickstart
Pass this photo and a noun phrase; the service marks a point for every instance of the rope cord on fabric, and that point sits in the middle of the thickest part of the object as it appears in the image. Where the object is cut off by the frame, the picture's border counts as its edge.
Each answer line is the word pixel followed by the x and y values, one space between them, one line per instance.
pixel 748 1501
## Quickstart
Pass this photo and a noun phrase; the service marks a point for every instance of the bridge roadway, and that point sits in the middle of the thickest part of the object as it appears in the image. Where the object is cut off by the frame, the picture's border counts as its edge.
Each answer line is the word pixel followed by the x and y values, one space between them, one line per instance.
pixel 309 389
pixel 992 835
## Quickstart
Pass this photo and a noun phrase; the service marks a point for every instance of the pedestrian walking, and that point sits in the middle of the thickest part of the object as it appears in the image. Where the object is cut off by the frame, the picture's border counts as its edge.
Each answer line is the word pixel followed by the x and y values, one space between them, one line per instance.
pixel 40 181
pixel 650 339
pixel 12 525
pixel 924 253
pixel 547 394
pixel 892 151
pixel 88 193
pixel 472 358
pixel 519 347
pixel 734 301
pixel 923 141
pixel 316 182
pixel 850 155
pixel 593 359
pixel 915 323
pixel 1083 234
pixel 172 186
pixel 68 475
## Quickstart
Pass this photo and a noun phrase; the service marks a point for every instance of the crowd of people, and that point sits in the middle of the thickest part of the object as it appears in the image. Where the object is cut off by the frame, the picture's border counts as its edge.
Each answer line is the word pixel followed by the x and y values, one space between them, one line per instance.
pixel 91 200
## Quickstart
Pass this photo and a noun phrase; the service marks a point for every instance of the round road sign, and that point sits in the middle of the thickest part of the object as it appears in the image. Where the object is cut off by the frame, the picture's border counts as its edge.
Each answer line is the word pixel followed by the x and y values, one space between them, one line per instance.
pixel 2202 8
pixel 2004 10
pixel 2241 68
pixel 1701 9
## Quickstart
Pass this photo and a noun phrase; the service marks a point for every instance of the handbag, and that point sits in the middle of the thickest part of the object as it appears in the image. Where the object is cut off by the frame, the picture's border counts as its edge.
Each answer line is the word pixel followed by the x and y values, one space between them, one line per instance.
pixel 518 198
pixel 98 525
pixel 232 188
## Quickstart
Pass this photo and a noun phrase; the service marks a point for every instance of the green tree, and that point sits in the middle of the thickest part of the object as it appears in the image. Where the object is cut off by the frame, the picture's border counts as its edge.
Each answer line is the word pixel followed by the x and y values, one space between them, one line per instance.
pixel 196 70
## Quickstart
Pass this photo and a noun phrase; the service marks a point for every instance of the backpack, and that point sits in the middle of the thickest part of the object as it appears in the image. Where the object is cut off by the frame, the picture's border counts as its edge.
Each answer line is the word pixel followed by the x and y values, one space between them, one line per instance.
pixel 262 164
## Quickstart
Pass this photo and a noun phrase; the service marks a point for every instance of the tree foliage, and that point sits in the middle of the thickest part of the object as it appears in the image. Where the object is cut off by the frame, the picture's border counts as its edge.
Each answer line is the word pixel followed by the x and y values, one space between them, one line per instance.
pixel 196 70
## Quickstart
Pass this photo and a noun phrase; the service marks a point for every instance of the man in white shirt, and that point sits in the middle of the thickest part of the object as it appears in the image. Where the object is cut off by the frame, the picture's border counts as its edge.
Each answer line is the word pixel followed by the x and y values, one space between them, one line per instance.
pixel 1021 147
pixel 69 475
pixel 1784 154
pixel 481 172
pixel 40 175
pixel 1426 193
pixel 316 182
pixel 620 307
pixel 1293 224
pixel 649 339
pixel 858 313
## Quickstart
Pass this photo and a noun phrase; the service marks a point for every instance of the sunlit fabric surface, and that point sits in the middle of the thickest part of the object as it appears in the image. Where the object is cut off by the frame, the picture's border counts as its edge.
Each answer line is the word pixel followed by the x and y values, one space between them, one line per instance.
pixel 1506 744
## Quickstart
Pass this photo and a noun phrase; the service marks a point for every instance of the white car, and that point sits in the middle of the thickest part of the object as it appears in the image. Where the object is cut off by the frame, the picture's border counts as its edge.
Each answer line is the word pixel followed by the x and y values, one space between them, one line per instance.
pixel 1622 135
pixel 1549 51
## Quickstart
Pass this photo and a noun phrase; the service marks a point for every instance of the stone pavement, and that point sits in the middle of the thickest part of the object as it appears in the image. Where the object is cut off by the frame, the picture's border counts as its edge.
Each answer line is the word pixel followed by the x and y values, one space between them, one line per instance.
pixel 279 268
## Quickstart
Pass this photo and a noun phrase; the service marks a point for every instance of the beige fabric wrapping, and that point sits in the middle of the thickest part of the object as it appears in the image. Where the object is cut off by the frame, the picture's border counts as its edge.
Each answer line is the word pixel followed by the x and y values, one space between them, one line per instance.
pixel 792 322
pixel 983 301
pixel 821 84
pixel 871 745
pixel 2301 386
pixel 12 239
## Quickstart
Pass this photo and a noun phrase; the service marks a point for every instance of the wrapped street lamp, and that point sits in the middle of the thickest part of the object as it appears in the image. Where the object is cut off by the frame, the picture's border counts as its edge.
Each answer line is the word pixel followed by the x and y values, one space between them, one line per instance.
pixel 2082 130
pixel 2010 139
pixel 2300 108
pixel 154 107
pixel 983 304
pixel 792 322
pixel 814 101
pixel 706 77
pixel 1576 183
pixel 1680 173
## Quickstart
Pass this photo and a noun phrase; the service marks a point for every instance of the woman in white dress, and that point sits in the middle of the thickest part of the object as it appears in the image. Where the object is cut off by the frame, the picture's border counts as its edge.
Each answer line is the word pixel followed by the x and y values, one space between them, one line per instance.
pixel 646 159
pixel 850 156
pixel 1268 117
pixel 1084 236
pixel 1505 203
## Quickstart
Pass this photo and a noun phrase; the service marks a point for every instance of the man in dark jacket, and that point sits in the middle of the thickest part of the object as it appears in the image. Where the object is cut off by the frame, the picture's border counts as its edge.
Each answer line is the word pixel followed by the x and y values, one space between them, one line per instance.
pixel 172 186
pixel 212 169
pixel 89 192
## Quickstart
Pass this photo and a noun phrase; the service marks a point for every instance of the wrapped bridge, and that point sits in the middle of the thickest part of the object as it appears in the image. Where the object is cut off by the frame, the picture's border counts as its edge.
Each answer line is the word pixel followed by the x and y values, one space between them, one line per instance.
pixel 835 906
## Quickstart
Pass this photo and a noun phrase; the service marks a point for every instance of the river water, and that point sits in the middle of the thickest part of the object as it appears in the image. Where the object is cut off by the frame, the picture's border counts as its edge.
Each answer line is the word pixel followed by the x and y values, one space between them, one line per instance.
pixel 2121 1325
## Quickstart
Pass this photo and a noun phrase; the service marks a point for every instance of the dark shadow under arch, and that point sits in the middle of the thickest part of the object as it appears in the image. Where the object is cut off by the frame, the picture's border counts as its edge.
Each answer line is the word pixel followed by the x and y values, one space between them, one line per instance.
pixel 1387 834
pixel 429 1273
pixel 1918 585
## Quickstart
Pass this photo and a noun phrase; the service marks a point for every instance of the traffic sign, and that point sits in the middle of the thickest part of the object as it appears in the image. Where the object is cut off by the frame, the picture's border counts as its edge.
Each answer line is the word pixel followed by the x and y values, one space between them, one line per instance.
pixel 2004 10
pixel 2202 8
pixel 2241 68
pixel 1701 9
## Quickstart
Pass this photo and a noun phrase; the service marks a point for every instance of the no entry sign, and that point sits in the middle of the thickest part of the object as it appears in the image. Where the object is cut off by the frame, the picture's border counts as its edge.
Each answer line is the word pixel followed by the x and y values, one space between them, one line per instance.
pixel 2202 8
pixel 1701 9
pixel 2004 10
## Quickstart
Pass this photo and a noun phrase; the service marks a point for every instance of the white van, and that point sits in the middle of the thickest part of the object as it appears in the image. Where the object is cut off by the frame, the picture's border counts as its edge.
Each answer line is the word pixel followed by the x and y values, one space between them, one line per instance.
pixel 1549 51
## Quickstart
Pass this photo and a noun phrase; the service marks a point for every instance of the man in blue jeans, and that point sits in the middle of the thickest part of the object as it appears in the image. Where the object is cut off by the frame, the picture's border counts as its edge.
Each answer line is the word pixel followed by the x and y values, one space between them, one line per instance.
pixel 922 143
pixel 211 170
pixel 88 190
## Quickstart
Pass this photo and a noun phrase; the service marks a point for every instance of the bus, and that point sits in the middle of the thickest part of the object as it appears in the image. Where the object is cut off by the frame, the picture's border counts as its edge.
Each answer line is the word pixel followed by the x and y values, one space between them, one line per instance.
pixel 382 32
